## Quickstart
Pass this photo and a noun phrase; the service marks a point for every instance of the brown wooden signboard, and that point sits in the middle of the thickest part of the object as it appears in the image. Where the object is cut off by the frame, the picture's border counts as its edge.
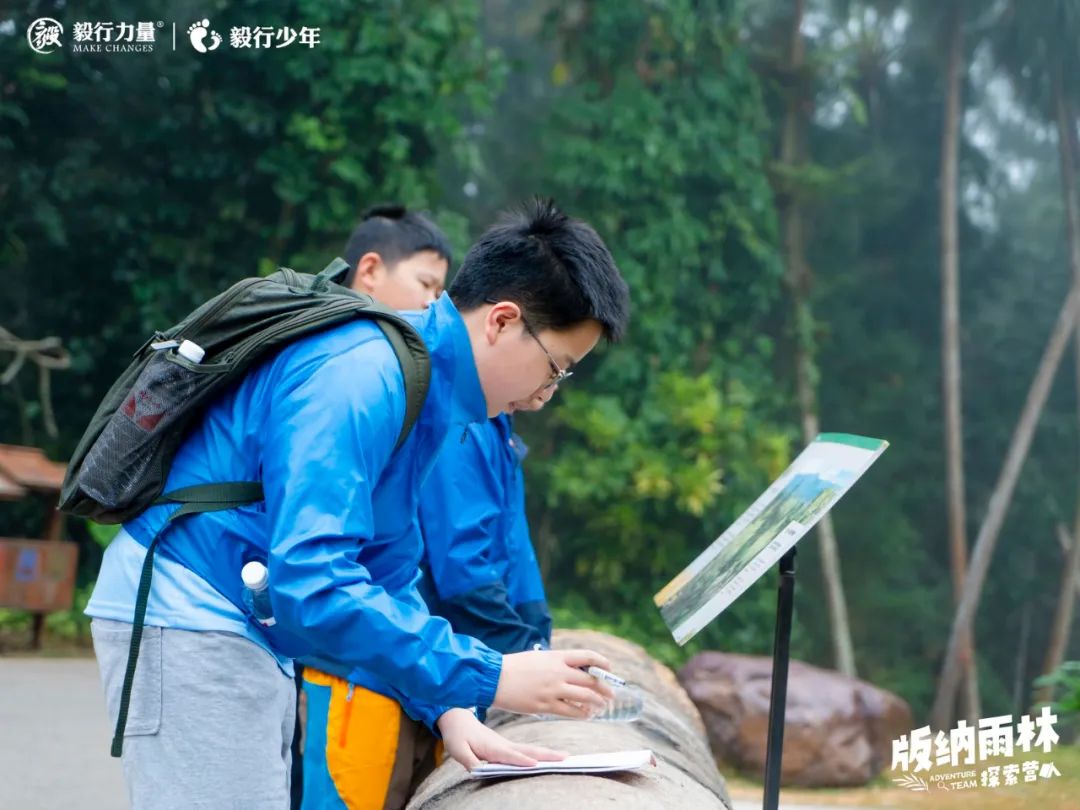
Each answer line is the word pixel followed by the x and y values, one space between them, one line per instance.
pixel 37 575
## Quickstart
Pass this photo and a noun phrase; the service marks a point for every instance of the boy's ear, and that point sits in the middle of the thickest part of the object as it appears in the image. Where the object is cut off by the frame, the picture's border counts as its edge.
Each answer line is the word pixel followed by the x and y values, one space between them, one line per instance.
pixel 501 316
pixel 370 270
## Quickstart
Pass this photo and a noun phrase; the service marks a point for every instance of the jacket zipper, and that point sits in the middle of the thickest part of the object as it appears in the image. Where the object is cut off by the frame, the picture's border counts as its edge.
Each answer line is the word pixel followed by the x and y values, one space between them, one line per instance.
pixel 344 735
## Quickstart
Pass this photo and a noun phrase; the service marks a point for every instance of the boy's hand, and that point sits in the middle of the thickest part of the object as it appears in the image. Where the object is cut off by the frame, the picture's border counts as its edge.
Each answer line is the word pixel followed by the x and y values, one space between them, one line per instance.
pixel 550 682
pixel 470 742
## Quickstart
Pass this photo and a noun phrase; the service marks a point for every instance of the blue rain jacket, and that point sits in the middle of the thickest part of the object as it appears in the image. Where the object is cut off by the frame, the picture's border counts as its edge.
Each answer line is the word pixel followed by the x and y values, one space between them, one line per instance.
pixel 338 531
pixel 480 569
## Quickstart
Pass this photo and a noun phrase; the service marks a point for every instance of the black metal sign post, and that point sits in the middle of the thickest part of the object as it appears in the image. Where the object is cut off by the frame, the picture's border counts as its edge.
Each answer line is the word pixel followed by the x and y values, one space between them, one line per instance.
pixel 774 751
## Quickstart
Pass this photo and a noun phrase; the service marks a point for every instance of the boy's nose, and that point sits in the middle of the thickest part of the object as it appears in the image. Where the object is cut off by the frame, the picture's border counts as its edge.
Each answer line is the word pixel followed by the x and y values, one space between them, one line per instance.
pixel 545 394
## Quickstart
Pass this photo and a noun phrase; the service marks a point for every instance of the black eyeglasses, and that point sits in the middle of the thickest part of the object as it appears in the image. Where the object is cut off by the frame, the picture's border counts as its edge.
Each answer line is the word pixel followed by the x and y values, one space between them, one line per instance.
pixel 558 374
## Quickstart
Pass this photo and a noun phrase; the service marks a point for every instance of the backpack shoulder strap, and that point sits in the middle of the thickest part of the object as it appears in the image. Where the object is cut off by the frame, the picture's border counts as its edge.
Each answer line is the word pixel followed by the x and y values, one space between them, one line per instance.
pixel 411 353
pixel 194 499
pixel 416 371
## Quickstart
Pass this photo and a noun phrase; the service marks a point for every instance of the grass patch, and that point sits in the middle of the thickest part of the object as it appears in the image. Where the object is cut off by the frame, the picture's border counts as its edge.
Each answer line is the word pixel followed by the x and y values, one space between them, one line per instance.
pixel 1059 793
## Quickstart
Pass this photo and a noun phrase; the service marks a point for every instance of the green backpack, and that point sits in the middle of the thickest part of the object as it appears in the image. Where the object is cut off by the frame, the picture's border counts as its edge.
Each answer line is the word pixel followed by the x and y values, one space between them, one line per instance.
pixel 122 462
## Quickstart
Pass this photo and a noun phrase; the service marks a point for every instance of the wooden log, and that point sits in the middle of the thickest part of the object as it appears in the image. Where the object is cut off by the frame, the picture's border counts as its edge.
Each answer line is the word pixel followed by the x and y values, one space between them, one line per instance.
pixel 685 777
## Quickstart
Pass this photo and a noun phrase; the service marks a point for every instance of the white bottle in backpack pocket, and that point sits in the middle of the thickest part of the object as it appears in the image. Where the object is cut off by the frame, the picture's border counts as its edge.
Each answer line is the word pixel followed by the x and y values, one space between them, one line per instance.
pixel 192 351
pixel 257 592
pixel 114 468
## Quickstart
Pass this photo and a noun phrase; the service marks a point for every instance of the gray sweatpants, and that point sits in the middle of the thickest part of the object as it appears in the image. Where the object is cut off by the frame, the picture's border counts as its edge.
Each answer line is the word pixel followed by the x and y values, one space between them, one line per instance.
pixel 210 723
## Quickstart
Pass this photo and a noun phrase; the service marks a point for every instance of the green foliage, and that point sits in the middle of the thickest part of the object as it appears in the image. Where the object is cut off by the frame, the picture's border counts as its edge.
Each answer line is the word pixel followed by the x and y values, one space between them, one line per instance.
pixel 646 629
pixel 1066 682
pixel 138 185
pixel 102 534
pixel 72 624
pixel 69 625
pixel 651 129
pixel 650 475
pixel 1037 46
pixel 15 621
pixel 875 257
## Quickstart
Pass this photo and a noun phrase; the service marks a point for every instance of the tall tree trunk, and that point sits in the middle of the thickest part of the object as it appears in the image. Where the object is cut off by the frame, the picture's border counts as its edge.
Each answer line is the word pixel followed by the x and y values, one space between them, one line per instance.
pixel 950 340
pixel 792 153
pixel 1000 499
pixel 1066 124
pixel 1063 616
pixel 1065 539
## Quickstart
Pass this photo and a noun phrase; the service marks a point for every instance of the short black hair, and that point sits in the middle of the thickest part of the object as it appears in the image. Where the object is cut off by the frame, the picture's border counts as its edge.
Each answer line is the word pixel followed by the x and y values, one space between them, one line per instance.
pixel 557 269
pixel 395 233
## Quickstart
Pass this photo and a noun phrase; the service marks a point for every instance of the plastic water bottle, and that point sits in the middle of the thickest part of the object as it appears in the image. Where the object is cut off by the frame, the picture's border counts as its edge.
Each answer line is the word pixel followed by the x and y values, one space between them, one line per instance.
pixel 626 707
pixel 115 466
pixel 191 351
pixel 257 592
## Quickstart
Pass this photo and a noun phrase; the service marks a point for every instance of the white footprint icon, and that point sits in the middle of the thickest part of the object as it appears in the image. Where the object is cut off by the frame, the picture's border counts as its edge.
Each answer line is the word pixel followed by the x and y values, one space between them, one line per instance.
pixel 197 32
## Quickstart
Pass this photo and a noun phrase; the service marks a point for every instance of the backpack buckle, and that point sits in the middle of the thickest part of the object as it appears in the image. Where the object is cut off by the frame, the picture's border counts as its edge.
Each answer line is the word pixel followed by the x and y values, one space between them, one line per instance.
pixel 155 338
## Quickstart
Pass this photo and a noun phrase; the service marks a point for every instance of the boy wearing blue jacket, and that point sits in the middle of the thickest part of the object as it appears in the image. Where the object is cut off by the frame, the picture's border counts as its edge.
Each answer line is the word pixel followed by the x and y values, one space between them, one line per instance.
pixel 212 706
pixel 362 750
pixel 400 258
pixel 481 571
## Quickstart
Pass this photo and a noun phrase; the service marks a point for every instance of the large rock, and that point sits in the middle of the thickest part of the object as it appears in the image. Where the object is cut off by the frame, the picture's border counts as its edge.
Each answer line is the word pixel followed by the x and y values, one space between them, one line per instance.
pixel 838 730
pixel 685 778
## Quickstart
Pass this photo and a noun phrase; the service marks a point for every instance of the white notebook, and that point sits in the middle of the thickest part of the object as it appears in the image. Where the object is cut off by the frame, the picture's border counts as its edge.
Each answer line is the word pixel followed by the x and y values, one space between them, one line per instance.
pixel 580 763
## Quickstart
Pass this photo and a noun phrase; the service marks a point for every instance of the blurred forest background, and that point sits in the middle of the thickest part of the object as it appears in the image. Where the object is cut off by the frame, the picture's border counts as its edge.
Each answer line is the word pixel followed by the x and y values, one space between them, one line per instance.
pixel 833 214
